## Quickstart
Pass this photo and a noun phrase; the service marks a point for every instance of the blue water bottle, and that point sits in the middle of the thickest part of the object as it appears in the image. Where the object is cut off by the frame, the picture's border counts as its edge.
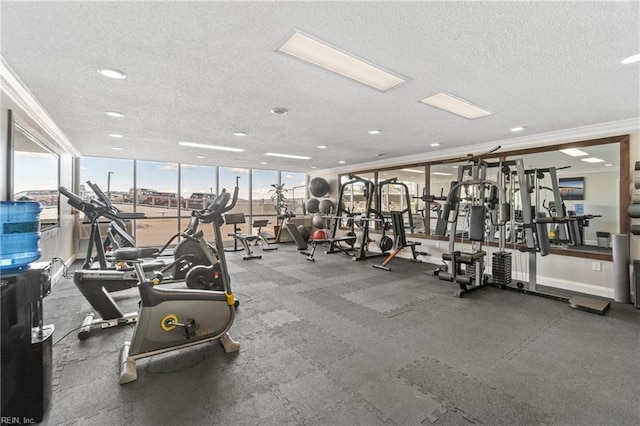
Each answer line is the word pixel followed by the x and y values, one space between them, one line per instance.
pixel 19 234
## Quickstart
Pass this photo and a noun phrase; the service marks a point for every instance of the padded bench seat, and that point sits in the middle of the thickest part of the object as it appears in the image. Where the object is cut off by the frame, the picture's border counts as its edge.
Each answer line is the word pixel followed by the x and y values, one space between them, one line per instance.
pixel 465 257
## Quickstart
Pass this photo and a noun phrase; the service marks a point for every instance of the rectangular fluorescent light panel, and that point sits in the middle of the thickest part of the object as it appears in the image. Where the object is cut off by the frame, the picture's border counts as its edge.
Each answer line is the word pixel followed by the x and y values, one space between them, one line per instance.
pixel 574 152
pixel 202 145
pixel 413 170
pixel 592 160
pixel 456 106
pixel 296 157
pixel 320 54
pixel 441 174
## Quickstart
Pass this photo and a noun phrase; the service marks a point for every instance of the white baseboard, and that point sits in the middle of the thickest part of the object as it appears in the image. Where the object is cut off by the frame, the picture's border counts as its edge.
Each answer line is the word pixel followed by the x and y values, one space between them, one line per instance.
pixel 593 290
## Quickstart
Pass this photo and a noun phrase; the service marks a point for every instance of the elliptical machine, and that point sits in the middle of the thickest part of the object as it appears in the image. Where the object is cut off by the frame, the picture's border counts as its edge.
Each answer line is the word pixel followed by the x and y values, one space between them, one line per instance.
pixel 171 319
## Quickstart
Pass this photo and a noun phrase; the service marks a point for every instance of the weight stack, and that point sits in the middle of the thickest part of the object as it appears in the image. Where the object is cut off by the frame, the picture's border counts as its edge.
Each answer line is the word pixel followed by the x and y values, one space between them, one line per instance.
pixel 501 269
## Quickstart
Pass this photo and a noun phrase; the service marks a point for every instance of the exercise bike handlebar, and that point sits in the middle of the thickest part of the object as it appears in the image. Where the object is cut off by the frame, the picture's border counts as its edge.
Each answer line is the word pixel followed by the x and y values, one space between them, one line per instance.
pixel 217 208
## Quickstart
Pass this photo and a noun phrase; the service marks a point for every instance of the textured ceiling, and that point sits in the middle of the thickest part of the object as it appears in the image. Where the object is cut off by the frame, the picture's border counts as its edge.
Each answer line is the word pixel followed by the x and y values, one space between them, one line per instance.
pixel 200 71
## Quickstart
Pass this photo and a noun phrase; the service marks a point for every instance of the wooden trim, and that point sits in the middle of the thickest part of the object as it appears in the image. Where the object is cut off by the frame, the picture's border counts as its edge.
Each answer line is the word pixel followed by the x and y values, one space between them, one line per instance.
pixel 9 153
pixel 625 185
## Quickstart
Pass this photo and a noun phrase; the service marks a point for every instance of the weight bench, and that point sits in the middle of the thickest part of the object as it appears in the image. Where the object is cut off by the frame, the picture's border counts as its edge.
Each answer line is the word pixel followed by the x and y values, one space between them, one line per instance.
pixel 244 239
pixel 263 236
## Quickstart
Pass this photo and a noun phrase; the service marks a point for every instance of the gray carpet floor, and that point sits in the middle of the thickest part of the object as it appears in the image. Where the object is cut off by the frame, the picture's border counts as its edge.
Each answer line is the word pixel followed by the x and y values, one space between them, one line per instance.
pixel 337 342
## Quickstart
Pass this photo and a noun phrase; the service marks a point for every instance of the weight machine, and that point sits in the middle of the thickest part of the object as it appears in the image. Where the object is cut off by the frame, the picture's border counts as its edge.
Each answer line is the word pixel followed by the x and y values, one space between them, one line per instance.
pixel 534 228
pixel 359 217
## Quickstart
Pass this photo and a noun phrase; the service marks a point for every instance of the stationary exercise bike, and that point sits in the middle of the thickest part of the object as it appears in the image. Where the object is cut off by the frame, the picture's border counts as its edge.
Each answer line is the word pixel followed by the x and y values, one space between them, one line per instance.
pixel 96 285
pixel 170 319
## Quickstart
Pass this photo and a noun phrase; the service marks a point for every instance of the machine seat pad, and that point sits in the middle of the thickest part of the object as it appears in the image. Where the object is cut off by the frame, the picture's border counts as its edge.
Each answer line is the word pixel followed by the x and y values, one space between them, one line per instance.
pixel 465 257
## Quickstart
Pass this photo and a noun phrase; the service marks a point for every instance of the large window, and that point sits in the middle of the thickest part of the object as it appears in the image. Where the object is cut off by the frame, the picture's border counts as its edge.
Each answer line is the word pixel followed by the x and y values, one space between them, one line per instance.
pixel 167 193
pixel 228 178
pixel 198 186
pixel 263 197
pixel 157 197
pixel 113 176
pixel 296 185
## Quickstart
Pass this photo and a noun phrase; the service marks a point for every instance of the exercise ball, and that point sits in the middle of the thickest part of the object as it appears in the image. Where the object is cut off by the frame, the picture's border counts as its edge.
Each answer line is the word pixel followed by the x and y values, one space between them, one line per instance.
pixel 319 235
pixel 318 221
pixel 313 205
pixel 304 231
pixel 319 187
pixel 326 206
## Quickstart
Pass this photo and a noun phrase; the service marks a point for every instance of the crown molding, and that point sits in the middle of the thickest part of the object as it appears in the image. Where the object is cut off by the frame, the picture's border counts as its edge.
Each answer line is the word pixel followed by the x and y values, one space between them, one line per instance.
pixel 576 134
pixel 13 87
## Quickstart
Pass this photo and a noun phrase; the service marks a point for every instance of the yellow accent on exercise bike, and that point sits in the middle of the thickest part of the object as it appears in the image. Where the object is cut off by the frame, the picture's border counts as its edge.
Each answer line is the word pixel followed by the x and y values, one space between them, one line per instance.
pixel 166 325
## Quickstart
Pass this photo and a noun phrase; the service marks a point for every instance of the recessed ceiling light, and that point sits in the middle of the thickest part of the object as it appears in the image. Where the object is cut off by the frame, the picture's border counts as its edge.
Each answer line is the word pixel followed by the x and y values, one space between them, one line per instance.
pixel 322 146
pixel 574 152
pixel 114 114
pixel 313 167
pixel 239 134
pixel 200 156
pixel 295 157
pixel 111 73
pixel 517 129
pixel 341 161
pixel 412 170
pixel 115 135
pixel 441 174
pixel 330 58
pixel 592 160
pixel 434 144
pixel 279 111
pixel 631 59
pixel 202 145
pixel 263 162
pixel 452 104
pixel 608 165
pixel 115 148
pixel 374 132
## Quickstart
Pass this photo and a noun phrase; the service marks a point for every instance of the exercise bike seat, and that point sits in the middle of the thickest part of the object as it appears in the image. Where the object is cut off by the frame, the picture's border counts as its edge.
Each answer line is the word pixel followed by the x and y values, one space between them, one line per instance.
pixel 134 253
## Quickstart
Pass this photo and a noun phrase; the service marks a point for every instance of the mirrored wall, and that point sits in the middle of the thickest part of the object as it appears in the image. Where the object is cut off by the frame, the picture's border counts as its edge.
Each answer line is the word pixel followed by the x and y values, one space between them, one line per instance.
pixel 35 173
pixel 583 183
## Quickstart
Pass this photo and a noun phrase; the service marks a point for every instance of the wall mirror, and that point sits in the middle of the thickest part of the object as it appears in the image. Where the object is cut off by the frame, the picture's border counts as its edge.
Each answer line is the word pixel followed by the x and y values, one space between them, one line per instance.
pixel 592 178
pixel 35 173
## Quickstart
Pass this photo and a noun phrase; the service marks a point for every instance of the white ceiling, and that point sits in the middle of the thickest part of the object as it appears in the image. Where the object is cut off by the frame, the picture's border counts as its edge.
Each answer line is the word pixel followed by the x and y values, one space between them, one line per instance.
pixel 200 71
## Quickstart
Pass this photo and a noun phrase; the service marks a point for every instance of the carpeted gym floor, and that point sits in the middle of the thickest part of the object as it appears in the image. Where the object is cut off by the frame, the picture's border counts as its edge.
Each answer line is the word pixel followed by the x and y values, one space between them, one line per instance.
pixel 336 342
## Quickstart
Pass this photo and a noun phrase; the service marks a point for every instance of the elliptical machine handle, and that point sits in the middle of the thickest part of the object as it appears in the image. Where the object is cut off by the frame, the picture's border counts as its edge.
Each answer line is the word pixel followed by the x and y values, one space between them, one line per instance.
pixel 84 206
pixel 234 199
pixel 101 195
